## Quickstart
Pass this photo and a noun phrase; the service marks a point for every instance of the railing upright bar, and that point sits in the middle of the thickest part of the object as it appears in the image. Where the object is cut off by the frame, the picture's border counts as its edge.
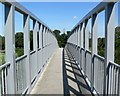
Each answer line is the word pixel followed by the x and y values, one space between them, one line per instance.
pixel 35 29
pixel 118 81
pixel 40 36
pixel 109 43
pixel 43 45
pixel 86 36
pixel 86 42
pixel 10 49
pixel 94 30
pixel 47 44
pixel 81 43
pixel 26 30
pixel 40 45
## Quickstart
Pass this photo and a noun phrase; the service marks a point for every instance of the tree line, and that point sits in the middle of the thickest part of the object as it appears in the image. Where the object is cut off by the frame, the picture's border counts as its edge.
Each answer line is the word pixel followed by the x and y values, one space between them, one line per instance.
pixel 62 40
pixel 101 45
pixel 61 37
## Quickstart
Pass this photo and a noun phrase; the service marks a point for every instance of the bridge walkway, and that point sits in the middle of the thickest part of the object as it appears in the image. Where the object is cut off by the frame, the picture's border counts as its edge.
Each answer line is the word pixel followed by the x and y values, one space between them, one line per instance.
pixel 61 76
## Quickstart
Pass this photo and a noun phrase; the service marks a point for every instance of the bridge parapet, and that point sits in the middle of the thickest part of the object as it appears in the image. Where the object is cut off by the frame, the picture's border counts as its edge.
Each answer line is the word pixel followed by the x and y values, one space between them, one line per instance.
pixel 102 75
pixel 19 75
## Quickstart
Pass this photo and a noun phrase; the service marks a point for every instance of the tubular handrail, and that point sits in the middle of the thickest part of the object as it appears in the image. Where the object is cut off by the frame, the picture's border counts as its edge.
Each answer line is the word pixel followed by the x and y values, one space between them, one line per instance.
pixel 4 65
pixel 24 68
pixel 21 57
pixel 32 52
pixel 100 57
pixel 39 49
pixel 100 7
pixel 23 10
pixel 114 64
pixel 88 51
pixel 103 71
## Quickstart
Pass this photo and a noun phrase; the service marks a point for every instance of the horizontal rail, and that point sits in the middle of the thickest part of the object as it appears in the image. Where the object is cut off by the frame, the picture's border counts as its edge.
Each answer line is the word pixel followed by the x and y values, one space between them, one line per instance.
pixel 100 57
pixel 32 52
pixel 114 64
pixel 23 10
pixel 88 51
pixel 24 68
pixel 95 67
pixel 20 58
pixel 39 49
pixel 4 65
pixel 100 7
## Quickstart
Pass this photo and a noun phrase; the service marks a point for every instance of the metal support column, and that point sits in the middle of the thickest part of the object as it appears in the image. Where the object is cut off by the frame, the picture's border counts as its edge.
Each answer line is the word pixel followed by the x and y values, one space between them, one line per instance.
pixel 94 45
pixel 26 30
pixel 86 42
pixel 35 26
pixel 10 48
pixel 109 40
pixel 81 44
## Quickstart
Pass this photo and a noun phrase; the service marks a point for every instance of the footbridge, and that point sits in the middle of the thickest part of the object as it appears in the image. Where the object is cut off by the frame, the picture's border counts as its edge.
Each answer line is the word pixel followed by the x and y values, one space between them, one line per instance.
pixel 48 69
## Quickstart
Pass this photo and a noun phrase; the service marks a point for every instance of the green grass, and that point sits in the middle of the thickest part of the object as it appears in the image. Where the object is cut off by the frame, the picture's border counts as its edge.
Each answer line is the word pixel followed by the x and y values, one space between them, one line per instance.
pixel 19 52
pixel 2 58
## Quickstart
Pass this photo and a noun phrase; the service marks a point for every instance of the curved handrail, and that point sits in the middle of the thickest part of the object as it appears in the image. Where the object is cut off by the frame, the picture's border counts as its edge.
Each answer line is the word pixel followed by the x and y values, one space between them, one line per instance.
pixel 4 65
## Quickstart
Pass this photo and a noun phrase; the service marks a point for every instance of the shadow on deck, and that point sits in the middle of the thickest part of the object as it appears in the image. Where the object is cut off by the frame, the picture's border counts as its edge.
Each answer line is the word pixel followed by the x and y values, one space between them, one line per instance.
pixel 73 80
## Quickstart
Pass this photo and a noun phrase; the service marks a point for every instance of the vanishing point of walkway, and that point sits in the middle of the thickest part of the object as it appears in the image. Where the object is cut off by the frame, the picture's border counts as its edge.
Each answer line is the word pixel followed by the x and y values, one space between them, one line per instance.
pixel 61 76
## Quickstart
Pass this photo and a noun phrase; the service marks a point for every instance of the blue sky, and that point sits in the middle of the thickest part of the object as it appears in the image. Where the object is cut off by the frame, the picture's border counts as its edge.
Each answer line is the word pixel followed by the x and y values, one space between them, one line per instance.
pixel 59 15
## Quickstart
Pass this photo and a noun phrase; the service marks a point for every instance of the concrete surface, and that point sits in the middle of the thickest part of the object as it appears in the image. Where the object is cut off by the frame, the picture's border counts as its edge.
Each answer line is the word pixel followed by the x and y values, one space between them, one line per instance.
pixel 62 76
pixel 51 81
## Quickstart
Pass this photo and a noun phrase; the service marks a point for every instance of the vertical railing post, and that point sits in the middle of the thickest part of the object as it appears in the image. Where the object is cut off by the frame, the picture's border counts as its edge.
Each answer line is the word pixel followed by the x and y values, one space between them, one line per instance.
pixel 26 30
pixel 10 48
pixel 77 36
pixel 40 36
pixel 43 43
pixel 40 45
pixel 78 45
pixel 76 42
pixel 94 46
pixel 86 36
pixel 48 40
pixel 81 43
pixel 47 44
pixel 86 42
pixel 82 35
pixel 35 26
pixel 109 41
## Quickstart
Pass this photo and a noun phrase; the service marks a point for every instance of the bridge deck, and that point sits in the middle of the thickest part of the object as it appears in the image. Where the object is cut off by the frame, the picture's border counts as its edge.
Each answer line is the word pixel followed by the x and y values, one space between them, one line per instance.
pixel 61 76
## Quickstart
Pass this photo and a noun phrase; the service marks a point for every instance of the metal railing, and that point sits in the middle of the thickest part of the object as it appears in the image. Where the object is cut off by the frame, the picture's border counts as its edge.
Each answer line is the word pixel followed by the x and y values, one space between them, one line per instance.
pixel 102 74
pixel 19 75
pixel 113 78
pixel 4 69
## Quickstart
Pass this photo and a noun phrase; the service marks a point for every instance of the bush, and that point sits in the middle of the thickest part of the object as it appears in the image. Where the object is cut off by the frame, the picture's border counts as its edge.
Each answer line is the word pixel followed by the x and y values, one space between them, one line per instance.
pixel 19 52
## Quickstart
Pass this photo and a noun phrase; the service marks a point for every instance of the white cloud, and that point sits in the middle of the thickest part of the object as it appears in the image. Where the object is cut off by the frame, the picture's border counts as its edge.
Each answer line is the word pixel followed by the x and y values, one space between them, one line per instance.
pixel 74 17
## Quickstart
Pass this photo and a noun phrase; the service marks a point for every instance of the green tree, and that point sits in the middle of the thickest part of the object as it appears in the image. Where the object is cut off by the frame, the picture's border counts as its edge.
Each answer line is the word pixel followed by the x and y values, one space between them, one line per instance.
pixel 57 33
pixel 31 40
pixel 19 40
pixel 117 44
pixel 2 42
pixel 61 38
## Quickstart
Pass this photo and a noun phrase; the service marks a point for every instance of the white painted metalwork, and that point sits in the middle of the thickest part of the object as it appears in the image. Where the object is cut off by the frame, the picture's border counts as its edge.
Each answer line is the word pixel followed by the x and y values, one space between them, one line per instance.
pixel 19 75
pixel 102 74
